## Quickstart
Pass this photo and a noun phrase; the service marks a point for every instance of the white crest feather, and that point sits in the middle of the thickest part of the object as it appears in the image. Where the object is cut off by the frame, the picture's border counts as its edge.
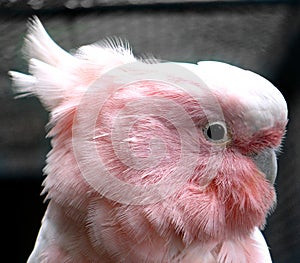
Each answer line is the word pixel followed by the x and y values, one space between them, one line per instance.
pixel 110 51
pixel 39 45
pixel 117 44
pixel 22 83
pixel 58 75
pixel 49 65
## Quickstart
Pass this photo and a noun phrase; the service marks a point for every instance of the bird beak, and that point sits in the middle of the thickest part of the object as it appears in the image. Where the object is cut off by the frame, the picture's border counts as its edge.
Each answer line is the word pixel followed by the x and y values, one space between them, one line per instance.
pixel 266 161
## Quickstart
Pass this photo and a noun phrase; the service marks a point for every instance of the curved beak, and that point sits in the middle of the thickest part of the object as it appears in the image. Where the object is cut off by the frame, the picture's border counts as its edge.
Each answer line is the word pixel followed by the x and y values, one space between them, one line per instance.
pixel 266 161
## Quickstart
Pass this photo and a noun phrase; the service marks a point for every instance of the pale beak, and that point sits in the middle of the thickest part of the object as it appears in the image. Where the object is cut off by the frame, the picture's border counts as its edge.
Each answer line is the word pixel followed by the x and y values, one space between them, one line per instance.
pixel 266 161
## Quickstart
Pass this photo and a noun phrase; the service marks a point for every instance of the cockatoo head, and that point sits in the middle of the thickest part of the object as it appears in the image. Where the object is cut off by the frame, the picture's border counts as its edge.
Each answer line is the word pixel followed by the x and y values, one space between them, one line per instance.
pixel 155 151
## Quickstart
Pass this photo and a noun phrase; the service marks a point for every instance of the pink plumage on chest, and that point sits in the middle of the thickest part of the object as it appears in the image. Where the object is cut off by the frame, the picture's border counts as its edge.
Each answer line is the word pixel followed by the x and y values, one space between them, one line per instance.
pixel 176 168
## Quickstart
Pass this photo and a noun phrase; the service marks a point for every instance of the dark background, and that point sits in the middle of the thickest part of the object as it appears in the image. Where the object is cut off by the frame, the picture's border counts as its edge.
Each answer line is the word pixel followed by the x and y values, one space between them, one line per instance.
pixel 263 36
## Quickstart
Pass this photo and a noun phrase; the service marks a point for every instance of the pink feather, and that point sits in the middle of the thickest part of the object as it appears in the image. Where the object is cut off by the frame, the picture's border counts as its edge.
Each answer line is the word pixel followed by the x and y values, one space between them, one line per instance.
pixel 212 216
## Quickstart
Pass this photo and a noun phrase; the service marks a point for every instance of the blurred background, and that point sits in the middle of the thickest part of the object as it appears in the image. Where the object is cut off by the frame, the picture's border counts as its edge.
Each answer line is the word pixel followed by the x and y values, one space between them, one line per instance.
pixel 263 36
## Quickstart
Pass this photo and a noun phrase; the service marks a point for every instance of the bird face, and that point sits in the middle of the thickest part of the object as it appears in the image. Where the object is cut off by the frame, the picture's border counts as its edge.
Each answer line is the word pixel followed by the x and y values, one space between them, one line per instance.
pixel 230 133
pixel 150 160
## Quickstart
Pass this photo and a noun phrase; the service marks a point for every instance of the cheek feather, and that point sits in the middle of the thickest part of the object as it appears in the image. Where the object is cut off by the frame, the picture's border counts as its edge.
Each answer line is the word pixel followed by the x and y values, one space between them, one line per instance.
pixel 236 201
pixel 244 191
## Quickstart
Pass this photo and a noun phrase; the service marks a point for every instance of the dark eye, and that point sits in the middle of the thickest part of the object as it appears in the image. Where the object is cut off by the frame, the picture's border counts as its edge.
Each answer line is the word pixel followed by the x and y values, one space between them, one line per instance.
pixel 216 132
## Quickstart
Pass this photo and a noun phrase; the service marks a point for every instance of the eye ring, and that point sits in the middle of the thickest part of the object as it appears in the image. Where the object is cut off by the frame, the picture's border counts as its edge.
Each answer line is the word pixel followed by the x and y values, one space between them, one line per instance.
pixel 216 132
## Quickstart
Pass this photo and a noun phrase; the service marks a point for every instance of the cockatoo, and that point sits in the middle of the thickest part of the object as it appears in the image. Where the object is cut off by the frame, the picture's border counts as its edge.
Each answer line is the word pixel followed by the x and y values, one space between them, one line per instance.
pixel 152 161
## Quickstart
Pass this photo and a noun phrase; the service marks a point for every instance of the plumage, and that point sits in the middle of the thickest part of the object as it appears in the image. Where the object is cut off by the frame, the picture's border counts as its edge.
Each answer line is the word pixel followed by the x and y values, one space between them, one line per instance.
pixel 152 162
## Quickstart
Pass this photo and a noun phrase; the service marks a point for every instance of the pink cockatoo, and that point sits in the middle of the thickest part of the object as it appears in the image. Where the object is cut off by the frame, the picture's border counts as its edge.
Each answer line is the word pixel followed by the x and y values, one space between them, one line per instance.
pixel 152 161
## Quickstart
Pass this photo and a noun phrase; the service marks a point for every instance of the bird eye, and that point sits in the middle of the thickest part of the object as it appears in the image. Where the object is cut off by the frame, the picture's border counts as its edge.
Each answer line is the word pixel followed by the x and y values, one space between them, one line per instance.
pixel 216 132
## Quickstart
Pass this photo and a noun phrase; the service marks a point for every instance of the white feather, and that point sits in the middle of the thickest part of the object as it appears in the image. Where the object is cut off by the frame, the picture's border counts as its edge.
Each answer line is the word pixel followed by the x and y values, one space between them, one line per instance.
pixel 56 74
pixel 249 250
pixel 40 46
pixel 263 103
